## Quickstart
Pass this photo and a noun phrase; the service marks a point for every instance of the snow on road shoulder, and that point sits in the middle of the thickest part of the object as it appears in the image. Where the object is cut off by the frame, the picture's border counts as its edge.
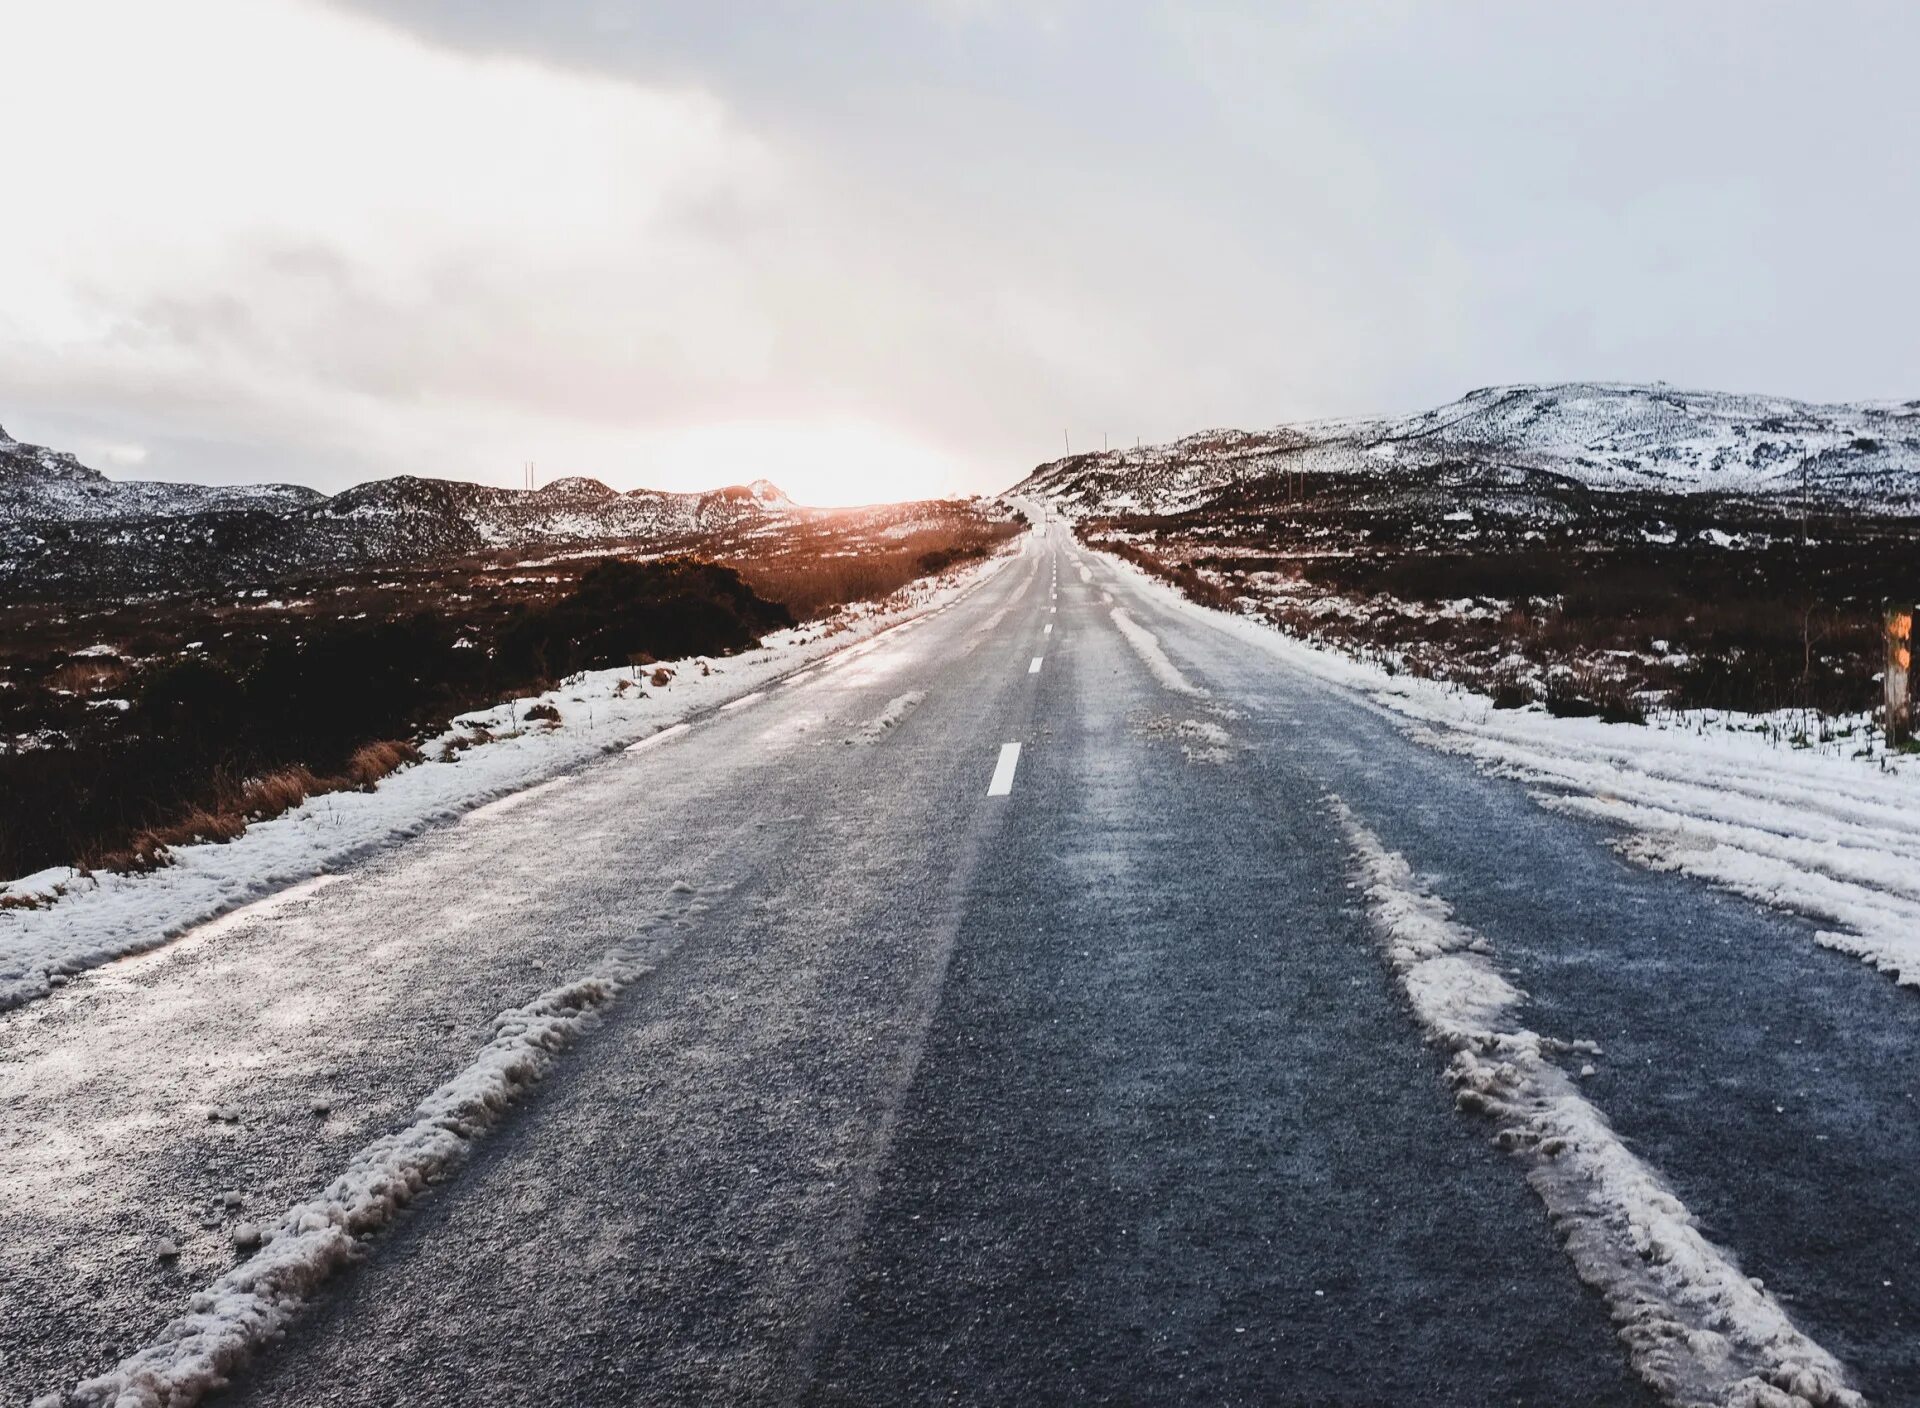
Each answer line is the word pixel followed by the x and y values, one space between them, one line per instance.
pixel 1696 1329
pixel 93 920
pixel 1834 838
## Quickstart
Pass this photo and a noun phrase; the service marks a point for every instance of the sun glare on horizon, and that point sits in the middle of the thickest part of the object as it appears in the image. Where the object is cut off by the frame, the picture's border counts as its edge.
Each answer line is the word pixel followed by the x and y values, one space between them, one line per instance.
pixel 821 465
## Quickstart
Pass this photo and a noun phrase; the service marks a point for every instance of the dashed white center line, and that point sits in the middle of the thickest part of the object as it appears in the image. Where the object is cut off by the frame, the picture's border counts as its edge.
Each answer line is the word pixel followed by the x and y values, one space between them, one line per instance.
pixel 1034 668
pixel 1002 783
pixel 1048 630
pixel 743 700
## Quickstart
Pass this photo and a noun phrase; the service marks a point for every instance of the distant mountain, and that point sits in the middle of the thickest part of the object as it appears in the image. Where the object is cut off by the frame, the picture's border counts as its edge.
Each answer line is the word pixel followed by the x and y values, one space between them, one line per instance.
pixel 1600 437
pixel 45 485
pixel 67 530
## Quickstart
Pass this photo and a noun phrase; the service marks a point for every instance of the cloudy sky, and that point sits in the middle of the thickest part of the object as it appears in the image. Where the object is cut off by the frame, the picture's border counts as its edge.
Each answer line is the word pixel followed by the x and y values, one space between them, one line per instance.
pixel 880 250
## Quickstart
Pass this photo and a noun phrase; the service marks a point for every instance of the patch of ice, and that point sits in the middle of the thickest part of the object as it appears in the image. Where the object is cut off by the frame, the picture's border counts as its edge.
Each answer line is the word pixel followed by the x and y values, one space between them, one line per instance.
pixel 897 709
pixel 1147 646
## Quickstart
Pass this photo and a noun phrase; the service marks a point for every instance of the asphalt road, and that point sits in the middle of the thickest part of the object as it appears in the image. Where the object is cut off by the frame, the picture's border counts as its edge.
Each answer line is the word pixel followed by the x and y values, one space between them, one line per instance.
pixel 956 1078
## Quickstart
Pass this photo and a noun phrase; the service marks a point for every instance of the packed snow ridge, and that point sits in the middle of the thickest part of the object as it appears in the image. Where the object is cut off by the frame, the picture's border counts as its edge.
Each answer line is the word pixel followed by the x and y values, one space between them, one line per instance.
pixel 231 1318
pixel 1602 437
pixel 1696 1329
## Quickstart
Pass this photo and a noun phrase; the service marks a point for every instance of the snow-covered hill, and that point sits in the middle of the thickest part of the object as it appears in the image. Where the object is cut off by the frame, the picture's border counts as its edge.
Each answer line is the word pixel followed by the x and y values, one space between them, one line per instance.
pixel 1607 438
pixel 45 485
pixel 67 529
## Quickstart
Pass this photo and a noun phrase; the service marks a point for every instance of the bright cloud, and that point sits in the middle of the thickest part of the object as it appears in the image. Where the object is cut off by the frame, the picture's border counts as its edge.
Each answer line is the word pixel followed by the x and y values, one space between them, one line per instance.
pixel 287 223
pixel 876 249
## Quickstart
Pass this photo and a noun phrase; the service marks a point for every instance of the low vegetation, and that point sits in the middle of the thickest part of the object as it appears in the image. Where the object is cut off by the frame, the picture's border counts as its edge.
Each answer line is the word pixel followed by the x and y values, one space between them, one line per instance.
pixel 813 575
pixel 1579 602
pixel 130 728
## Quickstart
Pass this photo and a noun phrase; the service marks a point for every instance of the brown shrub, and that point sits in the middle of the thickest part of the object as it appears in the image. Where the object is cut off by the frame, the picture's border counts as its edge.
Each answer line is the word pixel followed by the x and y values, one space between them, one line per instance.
pixel 372 761
pixel 277 792
pixel 542 712
pixel 815 577
pixel 153 848
pixel 141 855
pixel 660 677
pixel 89 676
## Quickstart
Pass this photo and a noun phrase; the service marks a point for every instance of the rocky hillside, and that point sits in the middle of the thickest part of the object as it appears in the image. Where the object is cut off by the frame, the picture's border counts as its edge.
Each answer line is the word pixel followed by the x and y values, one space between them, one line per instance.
pixel 51 486
pixel 70 531
pixel 1605 438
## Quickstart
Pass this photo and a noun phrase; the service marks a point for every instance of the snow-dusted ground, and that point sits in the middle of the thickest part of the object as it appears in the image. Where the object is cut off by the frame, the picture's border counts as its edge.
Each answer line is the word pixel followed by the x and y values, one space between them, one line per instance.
pixel 97 918
pixel 1815 830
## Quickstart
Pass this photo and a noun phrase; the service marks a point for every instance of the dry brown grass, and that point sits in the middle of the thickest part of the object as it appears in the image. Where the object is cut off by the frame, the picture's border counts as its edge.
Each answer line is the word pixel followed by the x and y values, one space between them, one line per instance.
pixel 92 676
pixel 153 848
pixel 277 792
pixel 257 799
pixel 372 761
pixel 812 579
pixel 110 786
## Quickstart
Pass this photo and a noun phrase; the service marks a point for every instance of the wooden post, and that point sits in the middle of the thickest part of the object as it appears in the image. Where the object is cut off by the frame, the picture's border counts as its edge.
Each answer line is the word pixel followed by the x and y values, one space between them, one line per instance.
pixel 1896 691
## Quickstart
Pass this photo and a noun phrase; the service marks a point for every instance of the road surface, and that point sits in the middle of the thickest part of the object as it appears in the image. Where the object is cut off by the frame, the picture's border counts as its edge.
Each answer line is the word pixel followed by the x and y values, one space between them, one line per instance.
pixel 1006 1025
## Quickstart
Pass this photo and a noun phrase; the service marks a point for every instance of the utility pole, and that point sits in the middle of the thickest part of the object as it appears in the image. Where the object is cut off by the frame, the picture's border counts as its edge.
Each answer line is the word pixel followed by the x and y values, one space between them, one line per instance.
pixel 1065 440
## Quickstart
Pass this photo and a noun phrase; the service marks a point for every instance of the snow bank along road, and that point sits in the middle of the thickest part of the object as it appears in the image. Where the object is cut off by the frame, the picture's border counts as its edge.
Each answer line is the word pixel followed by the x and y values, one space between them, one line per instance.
pixel 1059 999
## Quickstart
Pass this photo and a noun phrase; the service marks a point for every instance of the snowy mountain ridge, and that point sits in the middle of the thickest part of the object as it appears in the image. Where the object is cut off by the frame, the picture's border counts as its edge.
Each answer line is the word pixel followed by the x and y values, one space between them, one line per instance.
pixel 48 485
pixel 1603 437
pixel 65 527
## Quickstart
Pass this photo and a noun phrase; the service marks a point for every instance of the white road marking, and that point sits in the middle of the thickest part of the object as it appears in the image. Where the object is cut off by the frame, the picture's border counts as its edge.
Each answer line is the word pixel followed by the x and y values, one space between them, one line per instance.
pixel 656 738
pixel 123 968
pixel 1034 668
pixel 1049 629
pixel 1002 783
pixel 743 700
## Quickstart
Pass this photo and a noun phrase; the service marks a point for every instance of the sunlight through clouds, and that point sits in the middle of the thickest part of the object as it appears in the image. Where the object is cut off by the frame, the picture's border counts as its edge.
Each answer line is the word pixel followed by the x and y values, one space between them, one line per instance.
pixel 445 263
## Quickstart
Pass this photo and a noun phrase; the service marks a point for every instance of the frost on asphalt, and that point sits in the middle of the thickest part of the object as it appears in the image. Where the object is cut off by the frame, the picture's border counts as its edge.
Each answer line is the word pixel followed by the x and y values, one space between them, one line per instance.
pixel 239 1311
